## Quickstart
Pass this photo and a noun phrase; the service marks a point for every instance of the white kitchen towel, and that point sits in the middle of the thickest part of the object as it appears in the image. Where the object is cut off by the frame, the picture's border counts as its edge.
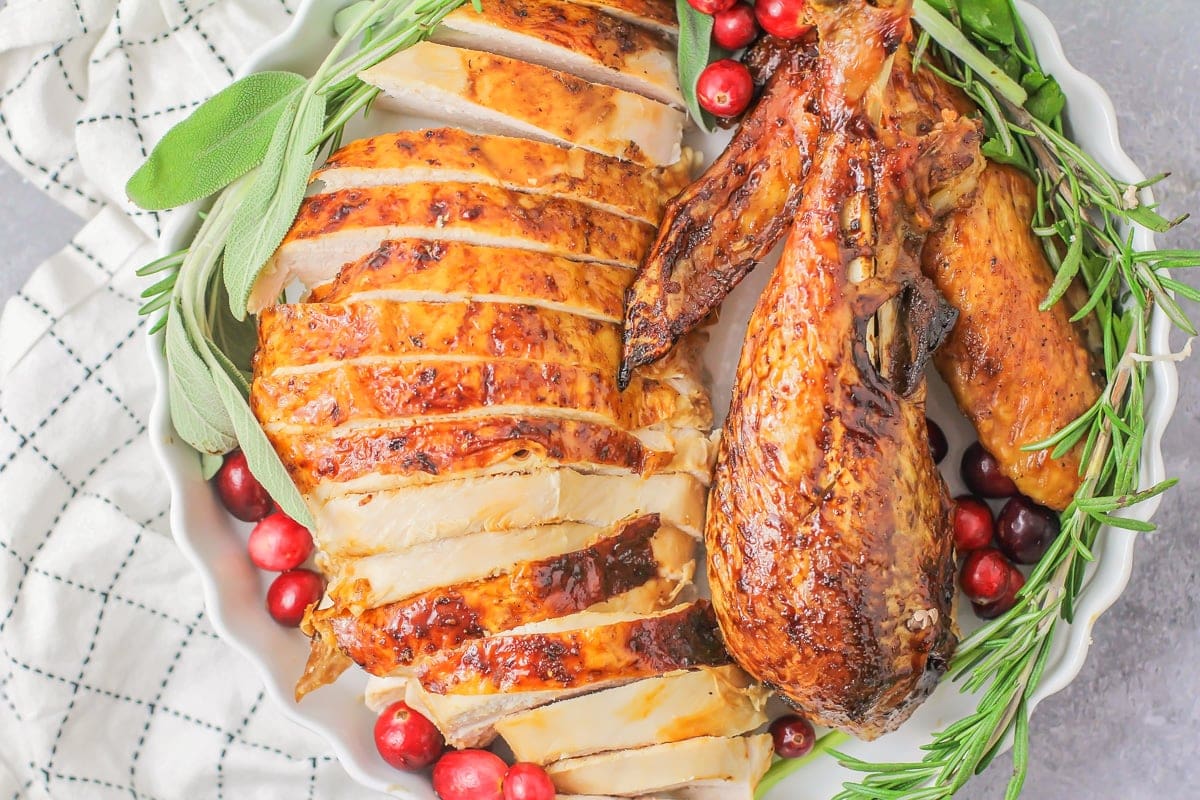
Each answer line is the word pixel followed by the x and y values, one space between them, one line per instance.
pixel 112 683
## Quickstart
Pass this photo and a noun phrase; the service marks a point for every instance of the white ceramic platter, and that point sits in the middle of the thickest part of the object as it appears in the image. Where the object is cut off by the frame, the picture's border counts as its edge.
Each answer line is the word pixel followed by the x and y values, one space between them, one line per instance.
pixel 234 590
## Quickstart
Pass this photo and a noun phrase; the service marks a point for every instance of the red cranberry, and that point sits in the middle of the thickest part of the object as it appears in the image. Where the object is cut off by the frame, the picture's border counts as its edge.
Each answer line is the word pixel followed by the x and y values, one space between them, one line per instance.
pixel 973 526
pixel 997 607
pixel 783 18
pixel 406 739
pixel 735 27
pixel 469 775
pixel 938 446
pixel 724 88
pixel 1025 529
pixel 291 593
pixel 985 575
pixel 279 543
pixel 240 491
pixel 711 6
pixel 526 781
pixel 981 472
pixel 794 736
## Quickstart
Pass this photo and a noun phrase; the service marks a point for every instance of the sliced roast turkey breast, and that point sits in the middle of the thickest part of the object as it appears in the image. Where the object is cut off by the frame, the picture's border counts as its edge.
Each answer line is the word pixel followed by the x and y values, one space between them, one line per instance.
pixel 428 450
pixel 721 768
pixel 364 524
pixel 336 228
pixel 557 655
pixel 315 334
pixel 576 39
pixel 386 638
pixel 452 154
pixel 374 581
pixel 711 701
pixel 497 94
pixel 360 393
pixel 416 269
pixel 657 15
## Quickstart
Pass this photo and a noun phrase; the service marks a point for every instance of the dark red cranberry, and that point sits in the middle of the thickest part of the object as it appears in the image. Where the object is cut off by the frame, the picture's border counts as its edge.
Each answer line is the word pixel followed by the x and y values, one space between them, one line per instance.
pixel 794 736
pixel 240 491
pixel 711 6
pixel 981 472
pixel 526 781
pixel 469 775
pixel 1025 529
pixel 279 543
pixel 725 88
pixel 997 607
pixel 973 525
pixel 407 740
pixel 985 574
pixel 938 446
pixel 291 593
pixel 735 27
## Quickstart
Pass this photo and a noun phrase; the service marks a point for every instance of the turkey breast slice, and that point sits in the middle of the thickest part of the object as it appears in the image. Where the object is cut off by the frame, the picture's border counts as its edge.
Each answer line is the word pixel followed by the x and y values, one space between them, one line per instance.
pixel 316 335
pixel 358 394
pixel 374 581
pixel 658 15
pixel 712 701
pixel 432 449
pixel 358 524
pixel 575 39
pixel 719 768
pixel 451 154
pixel 570 651
pixel 497 94
pixel 420 269
pixel 335 228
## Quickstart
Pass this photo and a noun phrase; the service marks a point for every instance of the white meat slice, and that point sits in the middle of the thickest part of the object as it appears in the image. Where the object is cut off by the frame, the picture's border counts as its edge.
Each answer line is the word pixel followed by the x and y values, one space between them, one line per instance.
pixel 572 38
pixel 363 524
pixel 722 768
pixel 380 579
pixel 713 701
pixel 657 15
pixel 496 94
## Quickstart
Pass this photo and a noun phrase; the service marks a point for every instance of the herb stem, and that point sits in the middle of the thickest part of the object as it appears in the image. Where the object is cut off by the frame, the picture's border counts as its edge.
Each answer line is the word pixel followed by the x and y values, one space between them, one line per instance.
pixel 945 33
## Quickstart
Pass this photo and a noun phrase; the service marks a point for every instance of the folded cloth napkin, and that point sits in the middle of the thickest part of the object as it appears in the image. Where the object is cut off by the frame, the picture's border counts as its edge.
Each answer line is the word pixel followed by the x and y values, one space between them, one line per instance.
pixel 112 683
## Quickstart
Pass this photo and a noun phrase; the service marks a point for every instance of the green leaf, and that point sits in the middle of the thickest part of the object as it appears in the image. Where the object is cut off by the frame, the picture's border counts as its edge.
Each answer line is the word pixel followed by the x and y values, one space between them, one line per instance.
pixel 1046 99
pixel 991 19
pixel 994 150
pixel 270 206
pixel 695 44
pixel 198 416
pixel 219 142
pixel 260 454
pixel 209 465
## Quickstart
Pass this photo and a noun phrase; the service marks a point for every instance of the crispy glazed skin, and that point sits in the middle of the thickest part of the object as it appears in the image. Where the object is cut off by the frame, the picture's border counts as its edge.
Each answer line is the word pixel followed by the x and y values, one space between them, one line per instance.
pixel 636 191
pixel 830 557
pixel 300 334
pixel 641 648
pixel 439 448
pixel 655 14
pixel 424 269
pixel 1019 374
pixel 548 224
pixel 718 228
pixel 392 636
pixel 403 390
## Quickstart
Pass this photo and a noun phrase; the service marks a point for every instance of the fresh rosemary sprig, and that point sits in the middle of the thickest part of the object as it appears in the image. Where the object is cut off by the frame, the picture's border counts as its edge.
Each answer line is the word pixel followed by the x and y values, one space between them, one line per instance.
pixel 1085 217
pixel 254 145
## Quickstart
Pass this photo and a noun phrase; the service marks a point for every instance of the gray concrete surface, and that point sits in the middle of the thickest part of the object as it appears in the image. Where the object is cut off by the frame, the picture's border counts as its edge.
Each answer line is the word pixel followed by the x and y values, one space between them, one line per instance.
pixel 1129 727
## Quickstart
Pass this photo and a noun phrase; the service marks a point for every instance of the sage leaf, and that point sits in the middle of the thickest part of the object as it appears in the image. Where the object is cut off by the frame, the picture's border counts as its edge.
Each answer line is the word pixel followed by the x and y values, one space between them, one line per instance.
pixel 219 142
pixel 695 43
pixel 270 206
pixel 198 415
pixel 260 455
pixel 210 465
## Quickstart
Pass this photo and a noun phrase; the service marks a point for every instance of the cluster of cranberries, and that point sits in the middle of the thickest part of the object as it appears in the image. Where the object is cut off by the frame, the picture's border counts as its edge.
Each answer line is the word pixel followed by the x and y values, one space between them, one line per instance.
pixel 724 88
pixel 993 546
pixel 277 544
pixel 410 742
